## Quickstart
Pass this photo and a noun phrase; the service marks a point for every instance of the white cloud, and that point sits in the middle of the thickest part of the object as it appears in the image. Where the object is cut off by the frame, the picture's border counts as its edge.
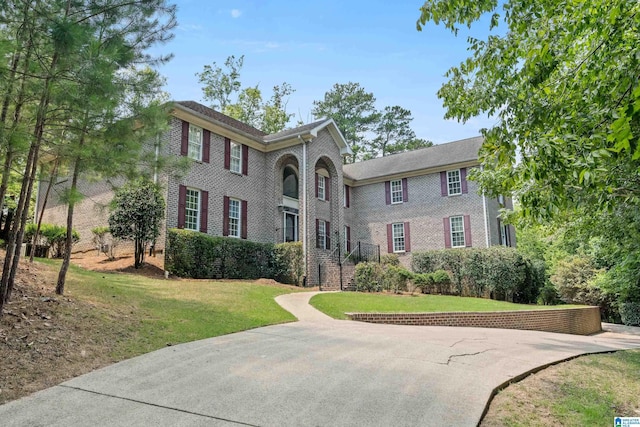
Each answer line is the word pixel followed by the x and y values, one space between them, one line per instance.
pixel 235 13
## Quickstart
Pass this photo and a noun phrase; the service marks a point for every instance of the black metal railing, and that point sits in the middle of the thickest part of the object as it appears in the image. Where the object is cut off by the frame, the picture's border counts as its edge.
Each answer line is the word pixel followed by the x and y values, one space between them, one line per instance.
pixel 364 252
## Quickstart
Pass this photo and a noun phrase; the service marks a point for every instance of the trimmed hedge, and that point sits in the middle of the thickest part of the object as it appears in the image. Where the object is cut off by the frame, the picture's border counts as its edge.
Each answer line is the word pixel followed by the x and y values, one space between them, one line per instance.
pixel 498 272
pixel 201 256
pixel 290 263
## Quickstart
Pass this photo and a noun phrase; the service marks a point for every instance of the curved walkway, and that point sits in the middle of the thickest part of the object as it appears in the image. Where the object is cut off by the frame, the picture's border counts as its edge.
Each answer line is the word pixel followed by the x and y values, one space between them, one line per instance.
pixel 315 372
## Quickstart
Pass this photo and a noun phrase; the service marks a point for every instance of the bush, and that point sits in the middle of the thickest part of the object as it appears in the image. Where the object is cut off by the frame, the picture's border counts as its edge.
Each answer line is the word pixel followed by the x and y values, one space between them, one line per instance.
pixel 396 279
pixel 50 235
pixel 368 277
pixel 390 259
pixel 498 272
pixel 437 282
pixel 573 278
pixel 290 260
pixel 630 313
pixel 549 294
pixel 200 256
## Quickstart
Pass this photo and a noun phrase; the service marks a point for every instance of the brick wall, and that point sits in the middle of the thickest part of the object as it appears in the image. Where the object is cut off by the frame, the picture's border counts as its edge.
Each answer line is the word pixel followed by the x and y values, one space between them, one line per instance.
pixel 577 321
pixel 424 210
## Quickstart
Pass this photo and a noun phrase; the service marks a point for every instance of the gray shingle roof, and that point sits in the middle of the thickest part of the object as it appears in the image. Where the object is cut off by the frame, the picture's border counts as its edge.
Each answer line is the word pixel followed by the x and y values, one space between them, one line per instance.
pixel 223 118
pixel 464 150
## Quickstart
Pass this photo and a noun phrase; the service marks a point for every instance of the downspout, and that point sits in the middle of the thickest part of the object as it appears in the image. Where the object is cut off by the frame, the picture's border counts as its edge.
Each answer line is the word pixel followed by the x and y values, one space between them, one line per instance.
pixel 484 210
pixel 304 208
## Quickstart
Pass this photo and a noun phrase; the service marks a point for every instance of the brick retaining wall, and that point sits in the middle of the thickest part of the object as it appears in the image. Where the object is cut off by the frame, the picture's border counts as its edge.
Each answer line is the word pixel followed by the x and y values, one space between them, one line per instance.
pixel 578 321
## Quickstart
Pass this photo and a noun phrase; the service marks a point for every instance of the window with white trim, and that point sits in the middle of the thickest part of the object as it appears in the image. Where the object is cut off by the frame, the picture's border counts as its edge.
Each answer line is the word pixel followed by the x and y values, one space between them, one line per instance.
pixel 322 234
pixel 195 142
pixel 192 210
pixel 398 237
pixel 322 187
pixel 234 218
pixel 454 184
pixel 396 191
pixel 236 158
pixel 457 231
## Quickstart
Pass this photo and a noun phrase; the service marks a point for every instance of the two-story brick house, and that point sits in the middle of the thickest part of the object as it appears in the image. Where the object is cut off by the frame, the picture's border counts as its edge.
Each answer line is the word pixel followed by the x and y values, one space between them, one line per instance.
pixel 293 186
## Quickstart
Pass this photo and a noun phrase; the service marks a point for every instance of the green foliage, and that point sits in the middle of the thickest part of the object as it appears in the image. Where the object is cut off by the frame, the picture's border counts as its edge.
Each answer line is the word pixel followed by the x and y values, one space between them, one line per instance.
pixel 290 259
pixel 138 210
pixel 393 133
pixel 496 272
pixel 397 279
pixel 200 256
pixel 549 294
pixel 437 282
pixel 50 235
pixel 390 259
pixel 630 313
pixel 219 86
pixel 368 277
pixel 574 278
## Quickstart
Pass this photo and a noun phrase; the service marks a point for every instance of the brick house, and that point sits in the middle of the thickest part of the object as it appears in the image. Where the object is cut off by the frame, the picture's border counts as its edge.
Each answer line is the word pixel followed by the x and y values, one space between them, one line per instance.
pixel 293 186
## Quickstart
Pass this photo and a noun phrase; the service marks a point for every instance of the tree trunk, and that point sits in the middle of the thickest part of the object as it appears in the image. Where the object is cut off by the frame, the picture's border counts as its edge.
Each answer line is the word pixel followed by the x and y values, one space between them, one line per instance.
pixel 62 275
pixel 16 235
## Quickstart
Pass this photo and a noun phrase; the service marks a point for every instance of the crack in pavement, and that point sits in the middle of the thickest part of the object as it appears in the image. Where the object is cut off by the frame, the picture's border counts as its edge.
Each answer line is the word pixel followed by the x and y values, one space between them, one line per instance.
pixel 159 406
pixel 464 355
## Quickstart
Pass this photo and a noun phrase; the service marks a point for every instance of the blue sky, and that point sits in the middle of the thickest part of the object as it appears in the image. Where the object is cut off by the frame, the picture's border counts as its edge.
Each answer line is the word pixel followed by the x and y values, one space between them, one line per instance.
pixel 314 44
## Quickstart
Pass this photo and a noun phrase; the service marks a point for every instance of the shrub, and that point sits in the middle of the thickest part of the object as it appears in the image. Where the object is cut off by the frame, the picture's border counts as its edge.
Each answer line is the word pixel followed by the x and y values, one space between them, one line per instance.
pixel 50 235
pixel 499 272
pixel 200 256
pixel 573 278
pixel 549 294
pixel 630 313
pixel 437 282
pixel 368 277
pixel 290 260
pixel 396 278
pixel 390 259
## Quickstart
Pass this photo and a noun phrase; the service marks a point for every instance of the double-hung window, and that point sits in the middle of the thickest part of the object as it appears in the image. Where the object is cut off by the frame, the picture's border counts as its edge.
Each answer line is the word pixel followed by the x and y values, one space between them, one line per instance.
pixel 195 142
pixel 192 210
pixel 236 158
pixel 398 237
pixel 322 188
pixel 457 231
pixel 454 183
pixel 396 191
pixel 234 218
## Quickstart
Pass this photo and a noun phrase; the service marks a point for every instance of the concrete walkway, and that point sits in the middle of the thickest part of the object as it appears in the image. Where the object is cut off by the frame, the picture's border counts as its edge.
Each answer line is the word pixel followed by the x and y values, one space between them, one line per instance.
pixel 315 372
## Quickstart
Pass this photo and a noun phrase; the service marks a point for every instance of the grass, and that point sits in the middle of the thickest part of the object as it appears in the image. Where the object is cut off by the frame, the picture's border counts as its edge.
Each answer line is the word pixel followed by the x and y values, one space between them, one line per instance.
pixel 162 312
pixel 589 390
pixel 336 305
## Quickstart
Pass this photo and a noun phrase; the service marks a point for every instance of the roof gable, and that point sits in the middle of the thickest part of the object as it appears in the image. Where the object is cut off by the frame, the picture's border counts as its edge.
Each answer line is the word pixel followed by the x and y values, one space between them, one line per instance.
pixel 270 142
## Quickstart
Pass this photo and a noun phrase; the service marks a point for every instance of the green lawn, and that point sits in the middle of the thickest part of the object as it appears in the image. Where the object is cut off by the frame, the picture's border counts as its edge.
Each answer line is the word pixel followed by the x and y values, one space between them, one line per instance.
pixel 587 391
pixel 335 305
pixel 161 312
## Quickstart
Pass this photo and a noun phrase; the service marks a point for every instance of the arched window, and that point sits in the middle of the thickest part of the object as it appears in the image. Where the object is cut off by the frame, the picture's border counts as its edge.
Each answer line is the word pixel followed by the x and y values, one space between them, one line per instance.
pixel 290 182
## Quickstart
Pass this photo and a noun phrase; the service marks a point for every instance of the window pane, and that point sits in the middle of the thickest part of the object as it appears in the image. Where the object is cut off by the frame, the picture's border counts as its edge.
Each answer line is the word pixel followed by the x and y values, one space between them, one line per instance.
pixel 192 210
pixel 396 191
pixel 322 234
pixel 195 142
pixel 234 218
pixel 457 231
pixel 321 188
pixel 453 179
pixel 236 157
pixel 398 237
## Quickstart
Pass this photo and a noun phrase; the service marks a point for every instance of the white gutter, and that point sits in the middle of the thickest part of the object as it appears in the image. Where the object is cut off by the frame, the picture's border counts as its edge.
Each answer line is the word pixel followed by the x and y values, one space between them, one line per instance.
pixel 304 203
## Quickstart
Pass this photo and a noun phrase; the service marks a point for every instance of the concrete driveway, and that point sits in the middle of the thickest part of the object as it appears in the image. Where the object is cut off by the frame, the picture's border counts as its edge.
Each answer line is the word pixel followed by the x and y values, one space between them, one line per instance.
pixel 315 372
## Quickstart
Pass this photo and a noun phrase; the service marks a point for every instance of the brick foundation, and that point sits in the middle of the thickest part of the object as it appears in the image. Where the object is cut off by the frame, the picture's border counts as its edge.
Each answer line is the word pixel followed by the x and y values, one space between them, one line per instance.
pixel 577 321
